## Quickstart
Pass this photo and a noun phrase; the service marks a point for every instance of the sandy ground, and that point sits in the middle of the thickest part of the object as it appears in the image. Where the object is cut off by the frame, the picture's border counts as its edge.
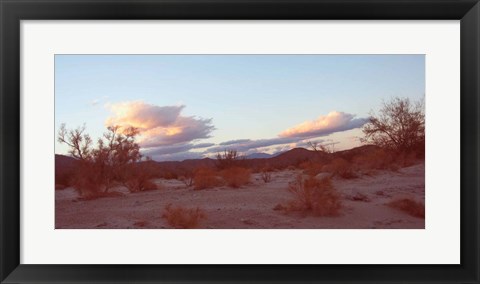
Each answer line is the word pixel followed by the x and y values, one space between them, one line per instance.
pixel 250 206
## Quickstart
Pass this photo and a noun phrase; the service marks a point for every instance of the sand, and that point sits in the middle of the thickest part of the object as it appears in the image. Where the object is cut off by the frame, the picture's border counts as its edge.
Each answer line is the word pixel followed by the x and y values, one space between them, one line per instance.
pixel 251 206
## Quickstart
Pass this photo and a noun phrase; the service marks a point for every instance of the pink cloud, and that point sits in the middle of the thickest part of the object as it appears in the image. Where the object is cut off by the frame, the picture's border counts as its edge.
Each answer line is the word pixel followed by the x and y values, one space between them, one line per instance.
pixel 159 125
pixel 324 125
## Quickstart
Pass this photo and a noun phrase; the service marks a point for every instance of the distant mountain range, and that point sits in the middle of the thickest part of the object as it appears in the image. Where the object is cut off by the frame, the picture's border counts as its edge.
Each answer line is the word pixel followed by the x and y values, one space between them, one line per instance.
pixel 262 155
pixel 294 157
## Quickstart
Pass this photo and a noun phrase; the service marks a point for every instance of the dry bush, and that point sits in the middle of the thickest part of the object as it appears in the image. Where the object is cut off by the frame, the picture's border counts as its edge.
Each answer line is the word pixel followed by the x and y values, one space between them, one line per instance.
pixel 379 159
pixel 266 175
pixel 340 167
pixel 183 218
pixel 406 159
pixel 409 206
pixel 236 176
pixel 188 180
pixel 205 178
pixel 399 126
pixel 318 197
pixel 114 160
pixel 311 168
pixel 88 180
pixel 138 185
pixel 139 178
pixel 228 159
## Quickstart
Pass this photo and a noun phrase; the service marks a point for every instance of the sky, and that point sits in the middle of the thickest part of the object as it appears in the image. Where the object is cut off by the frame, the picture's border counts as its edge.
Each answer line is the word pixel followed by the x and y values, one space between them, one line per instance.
pixel 193 106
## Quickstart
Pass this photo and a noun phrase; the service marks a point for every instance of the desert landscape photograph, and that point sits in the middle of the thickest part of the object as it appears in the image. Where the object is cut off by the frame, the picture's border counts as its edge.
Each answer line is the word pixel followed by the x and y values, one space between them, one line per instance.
pixel 239 141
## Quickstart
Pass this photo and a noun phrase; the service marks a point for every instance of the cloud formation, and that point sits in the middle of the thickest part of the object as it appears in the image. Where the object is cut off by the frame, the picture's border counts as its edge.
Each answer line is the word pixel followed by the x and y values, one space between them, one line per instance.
pixel 244 145
pixel 324 125
pixel 159 125
pixel 298 135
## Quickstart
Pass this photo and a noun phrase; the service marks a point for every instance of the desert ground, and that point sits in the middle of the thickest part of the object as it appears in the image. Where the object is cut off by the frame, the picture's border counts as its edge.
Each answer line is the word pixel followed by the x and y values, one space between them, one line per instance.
pixel 253 206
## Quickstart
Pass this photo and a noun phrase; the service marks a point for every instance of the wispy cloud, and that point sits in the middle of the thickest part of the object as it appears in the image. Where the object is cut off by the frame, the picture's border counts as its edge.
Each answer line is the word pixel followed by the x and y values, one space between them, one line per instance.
pixel 298 135
pixel 324 125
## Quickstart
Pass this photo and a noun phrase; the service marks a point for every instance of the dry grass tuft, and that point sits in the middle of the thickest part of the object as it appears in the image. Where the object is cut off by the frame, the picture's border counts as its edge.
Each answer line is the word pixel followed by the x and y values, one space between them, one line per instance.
pixel 183 218
pixel 205 178
pixel 236 176
pixel 318 197
pixel 409 206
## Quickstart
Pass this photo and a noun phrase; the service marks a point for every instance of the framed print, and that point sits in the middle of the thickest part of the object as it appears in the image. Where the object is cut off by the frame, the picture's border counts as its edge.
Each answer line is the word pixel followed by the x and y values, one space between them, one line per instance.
pixel 237 141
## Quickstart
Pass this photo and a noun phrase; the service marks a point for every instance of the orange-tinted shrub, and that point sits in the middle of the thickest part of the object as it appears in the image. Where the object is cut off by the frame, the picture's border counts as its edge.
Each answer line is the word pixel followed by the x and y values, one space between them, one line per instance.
pixel 409 206
pixel 205 178
pixel 340 167
pixel 236 176
pixel 406 159
pixel 183 218
pixel 318 197
pixel 379 160
pixel 311 168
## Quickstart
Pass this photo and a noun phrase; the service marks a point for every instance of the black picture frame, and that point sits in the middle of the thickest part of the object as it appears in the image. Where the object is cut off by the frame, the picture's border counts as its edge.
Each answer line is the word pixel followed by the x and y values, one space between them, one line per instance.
pixel 13 11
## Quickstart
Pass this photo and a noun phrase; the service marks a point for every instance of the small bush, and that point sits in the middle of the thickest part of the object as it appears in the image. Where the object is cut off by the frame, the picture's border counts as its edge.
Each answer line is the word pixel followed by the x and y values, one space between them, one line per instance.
pixel 88 180
pixel 340 167
pixel 228 159
pixel 318 197
pixel 236 176
pixel 139 178
pixel 311 168
pixel 187 180
pixel 205 178
pixel 409 206
pixel 379 160
pixel 266 175
pixel 183 218
pixel 406 159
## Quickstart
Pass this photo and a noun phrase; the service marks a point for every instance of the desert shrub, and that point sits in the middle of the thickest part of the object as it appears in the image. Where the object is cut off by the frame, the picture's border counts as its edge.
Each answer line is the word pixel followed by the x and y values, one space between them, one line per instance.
pixel 88 180
pixel 236 176
pixel 379 159
pixel 183 218
pixel 266 175
pixel 205 178
pixel 228 159
pixel 340 167
pixel 399 126
pixel 409 206
pixel 139 178
pixel 405 159
pixel 289 168
pixel 114 160
pixel 137 185
pixel 63 178
pixel 311 168
pixel 188 180
pixel 169 175
pixel 318 197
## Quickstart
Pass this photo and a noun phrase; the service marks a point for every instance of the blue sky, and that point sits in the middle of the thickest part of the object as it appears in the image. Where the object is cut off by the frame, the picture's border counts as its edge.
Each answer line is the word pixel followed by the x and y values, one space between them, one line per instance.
pixel 185 102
